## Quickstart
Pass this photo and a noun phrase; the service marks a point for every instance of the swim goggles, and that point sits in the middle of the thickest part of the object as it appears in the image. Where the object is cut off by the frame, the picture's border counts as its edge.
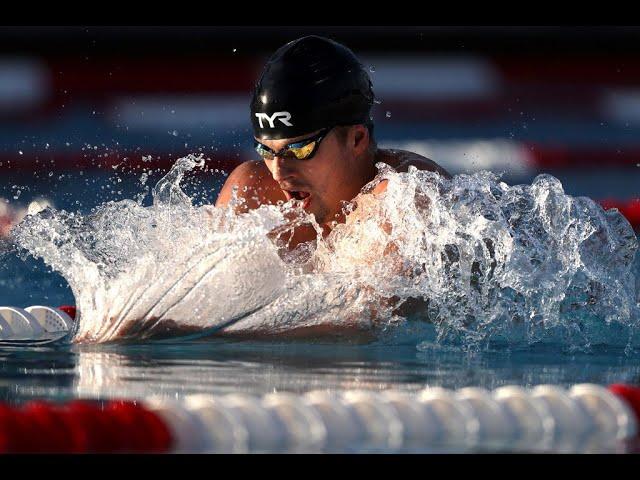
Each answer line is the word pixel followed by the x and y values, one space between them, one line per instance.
pixel 301 150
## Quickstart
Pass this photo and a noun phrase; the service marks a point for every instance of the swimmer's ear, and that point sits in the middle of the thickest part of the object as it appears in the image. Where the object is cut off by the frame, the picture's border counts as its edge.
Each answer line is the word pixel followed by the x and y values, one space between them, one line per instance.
pixel 359 139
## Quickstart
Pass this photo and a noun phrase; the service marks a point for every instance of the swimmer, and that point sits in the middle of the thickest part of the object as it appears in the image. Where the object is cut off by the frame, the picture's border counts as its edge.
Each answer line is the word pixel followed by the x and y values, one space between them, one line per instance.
pixel 313 131
pixel 312 125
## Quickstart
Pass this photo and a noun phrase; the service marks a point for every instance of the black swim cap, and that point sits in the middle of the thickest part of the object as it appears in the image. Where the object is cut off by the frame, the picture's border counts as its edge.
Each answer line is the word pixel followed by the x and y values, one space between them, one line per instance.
pixel 309 84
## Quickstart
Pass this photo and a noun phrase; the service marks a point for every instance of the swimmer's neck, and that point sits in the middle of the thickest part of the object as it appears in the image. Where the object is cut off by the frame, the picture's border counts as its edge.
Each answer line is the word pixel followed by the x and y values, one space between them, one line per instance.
pixel 399 160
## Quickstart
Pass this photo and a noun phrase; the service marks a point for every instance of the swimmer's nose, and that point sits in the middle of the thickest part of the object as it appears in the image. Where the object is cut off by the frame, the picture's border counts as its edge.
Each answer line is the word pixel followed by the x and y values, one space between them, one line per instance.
pixel 281 169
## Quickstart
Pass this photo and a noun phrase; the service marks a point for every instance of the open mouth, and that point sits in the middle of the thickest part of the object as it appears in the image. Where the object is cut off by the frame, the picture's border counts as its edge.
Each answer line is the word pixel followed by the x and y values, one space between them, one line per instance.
pixel 299 195
pixel 304 197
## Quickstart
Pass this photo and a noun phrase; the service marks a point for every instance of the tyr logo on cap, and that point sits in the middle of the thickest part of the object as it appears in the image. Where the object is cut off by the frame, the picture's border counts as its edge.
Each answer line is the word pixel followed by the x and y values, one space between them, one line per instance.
pixel 284 118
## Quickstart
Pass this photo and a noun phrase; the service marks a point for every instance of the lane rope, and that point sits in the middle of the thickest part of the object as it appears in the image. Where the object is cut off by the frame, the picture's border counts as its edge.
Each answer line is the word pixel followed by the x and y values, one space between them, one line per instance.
pixel 547 418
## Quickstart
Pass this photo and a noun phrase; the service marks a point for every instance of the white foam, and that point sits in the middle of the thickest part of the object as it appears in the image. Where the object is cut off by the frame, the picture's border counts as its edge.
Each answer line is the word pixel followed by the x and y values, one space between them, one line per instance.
pixel 484 261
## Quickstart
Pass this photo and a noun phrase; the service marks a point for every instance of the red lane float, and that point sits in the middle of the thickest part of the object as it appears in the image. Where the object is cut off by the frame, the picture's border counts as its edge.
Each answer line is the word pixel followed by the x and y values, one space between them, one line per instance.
pixel 69 310
pixel 82 427
pixel 631 395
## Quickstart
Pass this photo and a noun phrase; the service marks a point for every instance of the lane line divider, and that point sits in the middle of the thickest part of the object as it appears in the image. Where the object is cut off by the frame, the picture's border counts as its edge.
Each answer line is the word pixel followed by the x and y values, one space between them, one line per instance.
pixel 547 418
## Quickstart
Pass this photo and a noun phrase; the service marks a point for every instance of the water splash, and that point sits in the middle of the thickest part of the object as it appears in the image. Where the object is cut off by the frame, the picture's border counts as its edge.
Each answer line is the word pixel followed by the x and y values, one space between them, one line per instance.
pixel 480 260
pixel 466 262
pixel 164 270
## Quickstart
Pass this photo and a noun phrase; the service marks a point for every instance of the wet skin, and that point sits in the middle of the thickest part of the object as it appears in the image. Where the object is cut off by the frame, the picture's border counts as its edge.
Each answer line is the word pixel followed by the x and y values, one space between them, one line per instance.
pixel 334 175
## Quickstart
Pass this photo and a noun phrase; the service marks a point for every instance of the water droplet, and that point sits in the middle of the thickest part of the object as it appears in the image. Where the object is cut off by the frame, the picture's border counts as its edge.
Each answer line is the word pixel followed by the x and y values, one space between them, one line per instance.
pixel 51 174
pixel 20 152
pixel 372 69
pixel 174 133
pixel 388 114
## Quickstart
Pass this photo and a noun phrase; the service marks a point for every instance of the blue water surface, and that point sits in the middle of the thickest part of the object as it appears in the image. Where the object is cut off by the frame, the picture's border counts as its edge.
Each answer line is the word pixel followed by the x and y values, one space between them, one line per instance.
pixel 219 366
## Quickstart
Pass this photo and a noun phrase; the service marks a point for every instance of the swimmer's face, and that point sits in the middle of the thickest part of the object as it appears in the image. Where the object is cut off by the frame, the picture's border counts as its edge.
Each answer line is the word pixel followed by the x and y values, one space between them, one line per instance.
pixel 327 179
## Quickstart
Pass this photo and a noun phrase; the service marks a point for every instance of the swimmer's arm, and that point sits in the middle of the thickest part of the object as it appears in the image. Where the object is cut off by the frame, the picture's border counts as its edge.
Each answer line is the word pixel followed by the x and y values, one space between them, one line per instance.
pixel 253 183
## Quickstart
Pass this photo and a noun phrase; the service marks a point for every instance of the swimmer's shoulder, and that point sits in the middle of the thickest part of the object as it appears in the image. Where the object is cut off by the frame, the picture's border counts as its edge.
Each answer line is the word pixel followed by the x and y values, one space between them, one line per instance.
pixel 251 172
pixel 253 182
pixel 401 160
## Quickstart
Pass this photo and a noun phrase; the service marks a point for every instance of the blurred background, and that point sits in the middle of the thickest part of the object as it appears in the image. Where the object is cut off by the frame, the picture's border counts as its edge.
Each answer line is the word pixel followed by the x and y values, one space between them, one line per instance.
pixel 91 114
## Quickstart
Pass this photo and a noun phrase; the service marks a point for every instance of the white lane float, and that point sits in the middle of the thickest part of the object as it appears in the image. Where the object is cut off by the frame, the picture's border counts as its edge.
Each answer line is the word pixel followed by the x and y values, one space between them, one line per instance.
pixel 586 418
pixel 35 324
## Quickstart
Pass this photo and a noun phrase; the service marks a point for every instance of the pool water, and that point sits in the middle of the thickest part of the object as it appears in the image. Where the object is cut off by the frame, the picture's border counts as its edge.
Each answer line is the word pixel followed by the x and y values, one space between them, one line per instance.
pixel 222 366
pixel 219 366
